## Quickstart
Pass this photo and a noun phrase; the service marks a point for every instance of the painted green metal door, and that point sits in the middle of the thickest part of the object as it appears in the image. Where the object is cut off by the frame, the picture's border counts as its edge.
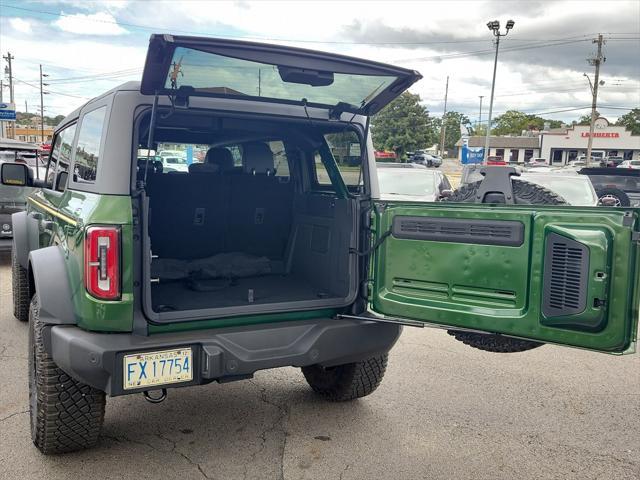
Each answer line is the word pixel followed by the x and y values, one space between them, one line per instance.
pixel 555 274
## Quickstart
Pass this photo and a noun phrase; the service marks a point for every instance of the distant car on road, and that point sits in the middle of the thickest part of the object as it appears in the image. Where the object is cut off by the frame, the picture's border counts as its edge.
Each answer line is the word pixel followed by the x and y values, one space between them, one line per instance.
pixel 635 164
pixel 534 162
pixel 426 159
pixel 174 164
pixel 612 161
pixel 495 160
pixel 412 182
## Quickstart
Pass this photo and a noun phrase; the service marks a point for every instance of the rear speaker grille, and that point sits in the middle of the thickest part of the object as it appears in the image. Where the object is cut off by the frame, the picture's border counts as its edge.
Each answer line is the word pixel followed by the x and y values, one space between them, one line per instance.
pixel 565 278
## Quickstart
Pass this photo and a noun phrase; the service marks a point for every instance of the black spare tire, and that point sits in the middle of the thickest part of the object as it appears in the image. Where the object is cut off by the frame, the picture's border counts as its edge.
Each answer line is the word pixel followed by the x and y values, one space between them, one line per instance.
pixel 615 195
pixel 524 193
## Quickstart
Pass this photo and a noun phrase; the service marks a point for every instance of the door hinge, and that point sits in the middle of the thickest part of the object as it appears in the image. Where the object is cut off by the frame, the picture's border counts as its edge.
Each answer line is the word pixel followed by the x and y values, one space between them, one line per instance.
pixel 635 236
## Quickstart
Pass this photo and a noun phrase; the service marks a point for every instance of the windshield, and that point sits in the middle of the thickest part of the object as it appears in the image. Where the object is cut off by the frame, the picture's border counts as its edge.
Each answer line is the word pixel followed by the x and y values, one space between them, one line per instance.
pixel 406 181
pixel 575 190
pixel 208 72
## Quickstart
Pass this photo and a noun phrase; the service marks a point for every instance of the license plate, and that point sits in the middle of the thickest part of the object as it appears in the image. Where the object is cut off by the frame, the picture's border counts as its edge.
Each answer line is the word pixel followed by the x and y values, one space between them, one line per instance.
pixel 152 369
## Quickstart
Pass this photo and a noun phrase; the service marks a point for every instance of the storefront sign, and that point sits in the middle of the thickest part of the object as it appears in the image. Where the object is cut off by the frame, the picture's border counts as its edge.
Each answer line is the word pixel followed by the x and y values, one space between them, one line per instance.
pixel 8 112
pixel 602 134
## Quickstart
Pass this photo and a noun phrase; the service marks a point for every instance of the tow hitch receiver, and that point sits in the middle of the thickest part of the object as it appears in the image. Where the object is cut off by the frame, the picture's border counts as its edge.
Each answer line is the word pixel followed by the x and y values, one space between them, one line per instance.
pixel 151 399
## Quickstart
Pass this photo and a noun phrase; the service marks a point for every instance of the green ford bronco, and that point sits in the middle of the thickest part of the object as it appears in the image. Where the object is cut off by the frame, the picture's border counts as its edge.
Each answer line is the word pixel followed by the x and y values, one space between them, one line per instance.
pixel 271 247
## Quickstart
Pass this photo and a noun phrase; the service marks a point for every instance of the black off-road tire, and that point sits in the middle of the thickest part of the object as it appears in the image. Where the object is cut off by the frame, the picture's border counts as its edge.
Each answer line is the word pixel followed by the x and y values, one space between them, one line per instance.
pixel 348 381
pixel 20 288
pixel 622 199
pixel 493 343
pixel 66 415
pixel 525 193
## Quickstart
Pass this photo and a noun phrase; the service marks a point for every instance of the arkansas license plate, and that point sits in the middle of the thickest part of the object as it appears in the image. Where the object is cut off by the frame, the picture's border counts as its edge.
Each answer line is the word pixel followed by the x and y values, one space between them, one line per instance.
pixel 153 369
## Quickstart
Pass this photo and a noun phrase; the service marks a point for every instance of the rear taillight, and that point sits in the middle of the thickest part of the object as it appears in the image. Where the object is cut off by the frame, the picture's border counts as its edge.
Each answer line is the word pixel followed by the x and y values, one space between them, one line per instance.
pixel 102 262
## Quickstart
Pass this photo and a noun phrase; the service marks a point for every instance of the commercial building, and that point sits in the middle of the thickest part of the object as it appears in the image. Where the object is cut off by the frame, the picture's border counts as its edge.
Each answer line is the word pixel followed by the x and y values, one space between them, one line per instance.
pixel 511 149
pixel 562 145
pixel 559 146
pixel 32 133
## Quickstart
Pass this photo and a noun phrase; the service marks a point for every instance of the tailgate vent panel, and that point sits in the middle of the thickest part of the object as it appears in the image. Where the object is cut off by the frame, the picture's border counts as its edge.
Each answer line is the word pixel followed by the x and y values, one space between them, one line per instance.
pixel 459 230
pixel 565 280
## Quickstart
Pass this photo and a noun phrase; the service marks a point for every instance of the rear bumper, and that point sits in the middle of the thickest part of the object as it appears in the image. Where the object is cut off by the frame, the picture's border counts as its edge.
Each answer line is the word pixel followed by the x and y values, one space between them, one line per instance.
pixel 221 354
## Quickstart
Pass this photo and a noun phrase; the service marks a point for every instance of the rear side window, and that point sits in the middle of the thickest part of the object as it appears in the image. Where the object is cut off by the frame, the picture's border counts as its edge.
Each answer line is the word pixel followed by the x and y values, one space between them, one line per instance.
pixel 280 162
pixel 61 153
pixel 88 147
pixel 345 149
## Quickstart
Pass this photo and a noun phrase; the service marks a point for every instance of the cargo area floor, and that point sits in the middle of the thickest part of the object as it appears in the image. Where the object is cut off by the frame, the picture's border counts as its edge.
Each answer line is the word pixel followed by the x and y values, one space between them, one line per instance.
pixel 178 295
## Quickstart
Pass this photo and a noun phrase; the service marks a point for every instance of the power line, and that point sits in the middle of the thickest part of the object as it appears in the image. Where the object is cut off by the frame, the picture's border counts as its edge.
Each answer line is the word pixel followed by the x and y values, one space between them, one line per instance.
pixel 298 40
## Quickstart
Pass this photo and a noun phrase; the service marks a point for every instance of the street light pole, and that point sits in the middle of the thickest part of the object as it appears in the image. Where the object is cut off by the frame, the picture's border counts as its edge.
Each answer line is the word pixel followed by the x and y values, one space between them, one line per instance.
pixel 494 26
pixel 443 124
pixel 480 113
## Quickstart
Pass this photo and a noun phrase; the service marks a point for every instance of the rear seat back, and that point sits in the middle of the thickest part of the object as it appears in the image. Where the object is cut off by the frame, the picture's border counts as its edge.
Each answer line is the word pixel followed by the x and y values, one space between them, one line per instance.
pixel 261 206
pixel 196 216
pixel 188 215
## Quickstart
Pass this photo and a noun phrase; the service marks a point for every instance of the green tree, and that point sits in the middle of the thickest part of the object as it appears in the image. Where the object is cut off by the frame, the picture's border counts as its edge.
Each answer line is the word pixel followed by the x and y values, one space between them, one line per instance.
pixel 34 119
pixel 452 122
pixel 584 120
pixel 514 122
pixel 403 126
pixel 631 121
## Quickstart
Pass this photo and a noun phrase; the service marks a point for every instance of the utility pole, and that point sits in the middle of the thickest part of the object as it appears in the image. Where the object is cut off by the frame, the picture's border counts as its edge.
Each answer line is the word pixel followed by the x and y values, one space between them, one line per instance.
pixel 443 126
pixel 9 72
pixel 594 92
pixel 480 114
pixel 42 93
pixel 1 101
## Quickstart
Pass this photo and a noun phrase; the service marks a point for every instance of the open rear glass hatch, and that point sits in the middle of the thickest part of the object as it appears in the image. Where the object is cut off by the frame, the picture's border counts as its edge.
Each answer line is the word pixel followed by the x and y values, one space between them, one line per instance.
pixel 196 66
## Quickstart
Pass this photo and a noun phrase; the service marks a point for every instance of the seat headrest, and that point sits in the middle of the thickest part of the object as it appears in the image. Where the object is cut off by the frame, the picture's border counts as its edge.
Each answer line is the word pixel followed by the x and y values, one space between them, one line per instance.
pixel 203 168
pixel 217 160
pixel 257 159
pixel 220 156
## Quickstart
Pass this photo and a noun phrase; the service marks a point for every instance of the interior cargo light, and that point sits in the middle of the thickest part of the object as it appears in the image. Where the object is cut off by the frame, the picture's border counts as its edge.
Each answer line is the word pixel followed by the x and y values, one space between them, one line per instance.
pixel 102 262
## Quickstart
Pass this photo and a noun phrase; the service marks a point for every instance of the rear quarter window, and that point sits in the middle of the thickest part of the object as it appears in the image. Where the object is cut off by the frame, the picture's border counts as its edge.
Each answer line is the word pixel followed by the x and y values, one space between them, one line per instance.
pixel 88 147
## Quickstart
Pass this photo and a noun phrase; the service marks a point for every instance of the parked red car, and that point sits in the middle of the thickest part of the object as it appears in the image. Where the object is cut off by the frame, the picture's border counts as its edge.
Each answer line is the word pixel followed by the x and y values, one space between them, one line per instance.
pixel 495 160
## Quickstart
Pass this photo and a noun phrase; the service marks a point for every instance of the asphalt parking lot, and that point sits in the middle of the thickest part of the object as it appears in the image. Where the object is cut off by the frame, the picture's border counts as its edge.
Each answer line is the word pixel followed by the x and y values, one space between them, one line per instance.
pixel 443 411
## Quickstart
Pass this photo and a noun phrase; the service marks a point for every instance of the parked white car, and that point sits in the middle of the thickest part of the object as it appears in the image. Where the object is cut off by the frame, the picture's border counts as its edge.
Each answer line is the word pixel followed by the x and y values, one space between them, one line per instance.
pixel 635 164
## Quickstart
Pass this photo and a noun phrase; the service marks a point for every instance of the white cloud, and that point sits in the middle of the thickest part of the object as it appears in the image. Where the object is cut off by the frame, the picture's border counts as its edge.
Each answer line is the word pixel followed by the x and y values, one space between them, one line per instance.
pixel 22 26
pixel 100 23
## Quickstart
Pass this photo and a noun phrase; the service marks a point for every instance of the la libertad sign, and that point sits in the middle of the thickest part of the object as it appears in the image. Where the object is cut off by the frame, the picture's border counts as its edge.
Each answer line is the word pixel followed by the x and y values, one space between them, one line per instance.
pixel 602 134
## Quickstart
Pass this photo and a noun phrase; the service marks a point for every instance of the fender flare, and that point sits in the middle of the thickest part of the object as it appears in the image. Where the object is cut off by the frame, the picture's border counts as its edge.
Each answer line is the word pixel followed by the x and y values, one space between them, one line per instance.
pixel 49 270
pixel 25 236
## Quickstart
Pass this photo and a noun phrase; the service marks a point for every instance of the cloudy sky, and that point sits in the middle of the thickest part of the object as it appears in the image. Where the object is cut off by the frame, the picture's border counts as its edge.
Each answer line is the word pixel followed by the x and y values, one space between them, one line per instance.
pixel 87 47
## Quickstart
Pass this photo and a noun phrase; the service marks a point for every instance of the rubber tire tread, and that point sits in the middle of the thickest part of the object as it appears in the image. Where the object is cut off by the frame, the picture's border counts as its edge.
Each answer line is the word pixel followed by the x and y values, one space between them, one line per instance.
pixel 525 193
pixel 490 342
pixel 625 201
pixel 69 414
pixel 20 289
pixel 347 382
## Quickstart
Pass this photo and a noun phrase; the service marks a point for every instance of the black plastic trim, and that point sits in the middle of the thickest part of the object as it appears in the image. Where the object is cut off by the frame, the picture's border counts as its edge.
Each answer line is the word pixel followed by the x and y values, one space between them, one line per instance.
pixel 221 354
pixel 508 233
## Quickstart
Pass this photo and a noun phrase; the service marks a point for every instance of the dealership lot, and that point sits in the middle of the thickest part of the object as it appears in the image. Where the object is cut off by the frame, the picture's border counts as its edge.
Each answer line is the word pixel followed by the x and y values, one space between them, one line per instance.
pixel 444 410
